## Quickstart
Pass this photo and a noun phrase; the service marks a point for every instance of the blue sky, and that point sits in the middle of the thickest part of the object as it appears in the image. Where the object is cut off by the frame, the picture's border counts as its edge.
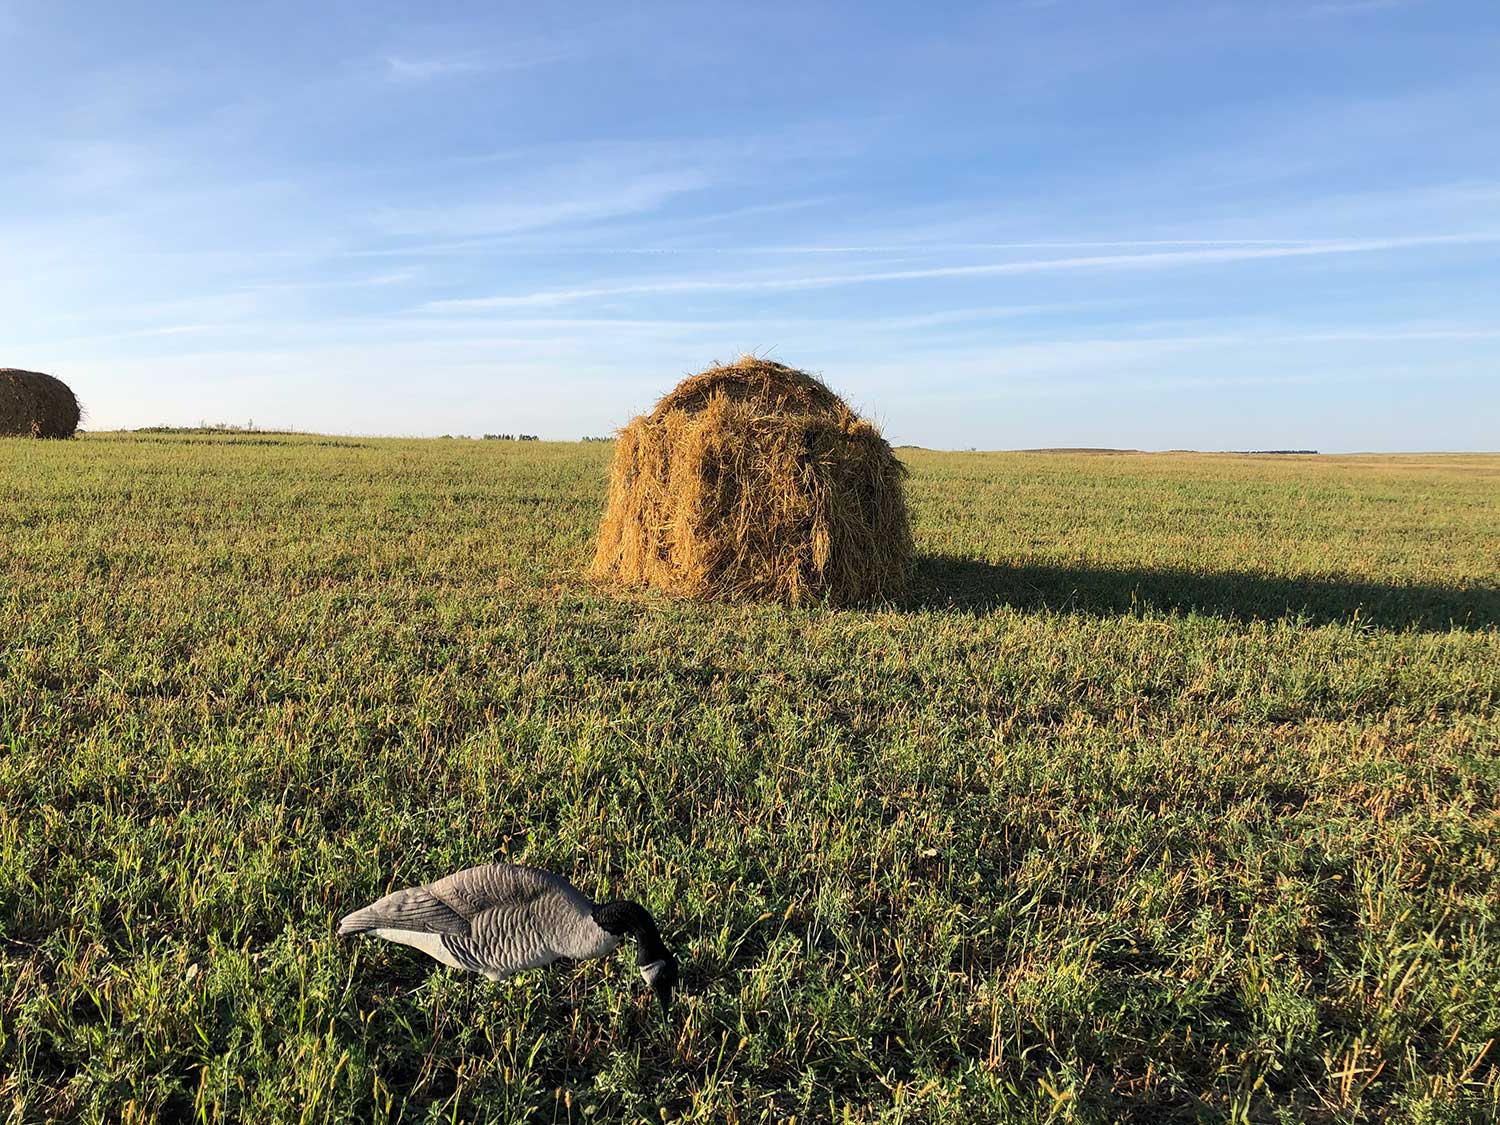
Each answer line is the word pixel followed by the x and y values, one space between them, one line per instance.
pixel 1206 225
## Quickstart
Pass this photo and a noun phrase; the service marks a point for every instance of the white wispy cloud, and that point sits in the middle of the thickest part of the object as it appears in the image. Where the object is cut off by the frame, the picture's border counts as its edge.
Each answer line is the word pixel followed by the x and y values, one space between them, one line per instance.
pixel 504 54
pixel 407 69
pixel 497 247
pixel 374 281
pixel 1150 260
pixel 577 195
pixel 427 68
pixel 1355 7
pixel 96 167
pixel 173 330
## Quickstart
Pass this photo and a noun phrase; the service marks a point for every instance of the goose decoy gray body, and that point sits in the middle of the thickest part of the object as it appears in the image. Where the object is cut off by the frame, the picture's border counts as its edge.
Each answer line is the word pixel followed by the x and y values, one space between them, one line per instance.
pixel 502 918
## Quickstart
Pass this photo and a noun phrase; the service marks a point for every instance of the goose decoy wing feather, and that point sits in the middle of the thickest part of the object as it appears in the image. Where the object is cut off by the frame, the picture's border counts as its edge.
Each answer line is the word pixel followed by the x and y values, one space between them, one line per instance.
pixel 416 909
pixel 449 905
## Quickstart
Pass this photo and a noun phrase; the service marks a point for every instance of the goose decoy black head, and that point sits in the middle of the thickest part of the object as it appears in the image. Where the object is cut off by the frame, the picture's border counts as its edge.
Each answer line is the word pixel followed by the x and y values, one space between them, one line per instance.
pixel 503 918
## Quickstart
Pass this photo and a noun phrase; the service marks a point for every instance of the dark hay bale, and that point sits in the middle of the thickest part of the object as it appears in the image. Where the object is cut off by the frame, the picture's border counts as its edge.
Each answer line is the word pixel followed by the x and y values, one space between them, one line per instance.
pixel 754 480
pixel 36 405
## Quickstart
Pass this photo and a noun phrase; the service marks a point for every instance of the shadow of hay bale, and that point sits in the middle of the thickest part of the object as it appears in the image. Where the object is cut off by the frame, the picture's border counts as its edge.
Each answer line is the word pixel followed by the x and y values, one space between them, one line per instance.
pixel 36 405
pixel 966 586
pixel 754 480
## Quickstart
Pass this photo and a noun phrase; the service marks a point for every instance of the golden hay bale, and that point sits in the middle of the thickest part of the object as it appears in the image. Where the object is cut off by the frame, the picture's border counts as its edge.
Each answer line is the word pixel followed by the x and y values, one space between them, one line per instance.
pixel 36 405
pixel 754 480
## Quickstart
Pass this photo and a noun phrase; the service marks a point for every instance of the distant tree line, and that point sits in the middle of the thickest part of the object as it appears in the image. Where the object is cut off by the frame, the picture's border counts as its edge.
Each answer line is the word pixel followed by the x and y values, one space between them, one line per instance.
pixel 511 437
pixel 210 428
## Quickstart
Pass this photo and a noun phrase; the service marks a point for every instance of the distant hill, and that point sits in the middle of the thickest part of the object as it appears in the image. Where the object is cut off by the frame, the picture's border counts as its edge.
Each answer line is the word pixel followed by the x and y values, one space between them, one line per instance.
pixel 1077 449
pixel 1091 449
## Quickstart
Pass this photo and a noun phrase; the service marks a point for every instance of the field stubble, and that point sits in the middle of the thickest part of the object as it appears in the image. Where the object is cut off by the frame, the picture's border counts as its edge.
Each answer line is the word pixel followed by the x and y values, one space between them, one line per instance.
pixel 1169 791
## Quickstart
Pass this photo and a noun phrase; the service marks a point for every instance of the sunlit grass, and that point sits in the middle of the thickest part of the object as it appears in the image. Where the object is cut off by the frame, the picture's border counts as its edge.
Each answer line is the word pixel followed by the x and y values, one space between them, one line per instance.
pixel 1170 792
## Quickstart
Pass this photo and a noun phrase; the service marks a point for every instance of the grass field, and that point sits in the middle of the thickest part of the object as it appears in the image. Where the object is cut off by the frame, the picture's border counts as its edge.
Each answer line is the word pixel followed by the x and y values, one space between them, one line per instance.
pixel 1170 792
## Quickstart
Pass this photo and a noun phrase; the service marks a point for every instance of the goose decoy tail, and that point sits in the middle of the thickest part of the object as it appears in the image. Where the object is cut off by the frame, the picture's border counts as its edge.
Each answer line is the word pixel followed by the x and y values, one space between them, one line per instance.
pixel 657 965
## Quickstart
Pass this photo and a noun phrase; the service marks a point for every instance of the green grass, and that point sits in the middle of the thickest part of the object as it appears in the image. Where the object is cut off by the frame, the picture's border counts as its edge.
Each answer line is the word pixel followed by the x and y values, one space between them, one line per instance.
pixel 1170 793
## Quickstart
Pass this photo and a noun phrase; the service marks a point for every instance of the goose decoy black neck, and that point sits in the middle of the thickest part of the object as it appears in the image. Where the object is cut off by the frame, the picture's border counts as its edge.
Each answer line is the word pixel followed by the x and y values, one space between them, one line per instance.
pixel 655 961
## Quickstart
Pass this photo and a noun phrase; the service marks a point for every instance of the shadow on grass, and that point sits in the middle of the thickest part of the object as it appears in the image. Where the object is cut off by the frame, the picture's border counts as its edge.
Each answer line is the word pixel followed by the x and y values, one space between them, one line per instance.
pixel 946 583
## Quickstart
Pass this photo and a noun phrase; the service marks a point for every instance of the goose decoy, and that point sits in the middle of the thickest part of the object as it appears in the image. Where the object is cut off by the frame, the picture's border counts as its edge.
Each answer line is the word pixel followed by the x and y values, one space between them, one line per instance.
pixel 502 918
